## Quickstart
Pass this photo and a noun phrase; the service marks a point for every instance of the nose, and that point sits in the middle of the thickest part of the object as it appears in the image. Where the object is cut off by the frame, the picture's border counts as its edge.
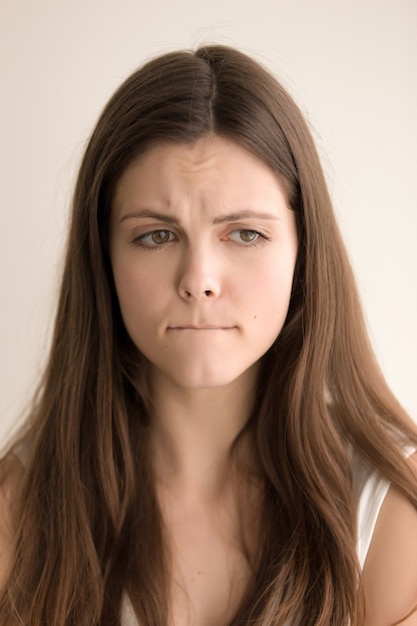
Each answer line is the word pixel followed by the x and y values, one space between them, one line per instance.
pixel 198 277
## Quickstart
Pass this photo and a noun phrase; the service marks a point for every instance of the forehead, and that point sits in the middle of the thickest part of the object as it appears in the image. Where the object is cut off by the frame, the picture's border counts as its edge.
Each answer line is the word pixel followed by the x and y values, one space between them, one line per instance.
pixel 213 166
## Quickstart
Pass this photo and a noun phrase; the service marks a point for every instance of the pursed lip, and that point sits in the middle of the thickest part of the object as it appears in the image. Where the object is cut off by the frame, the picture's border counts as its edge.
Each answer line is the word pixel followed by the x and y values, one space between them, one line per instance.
pixel 202 327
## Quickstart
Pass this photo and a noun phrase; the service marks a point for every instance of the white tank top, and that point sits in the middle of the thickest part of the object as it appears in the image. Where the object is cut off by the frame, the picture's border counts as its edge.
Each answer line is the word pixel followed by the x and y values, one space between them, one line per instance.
pixel 370 490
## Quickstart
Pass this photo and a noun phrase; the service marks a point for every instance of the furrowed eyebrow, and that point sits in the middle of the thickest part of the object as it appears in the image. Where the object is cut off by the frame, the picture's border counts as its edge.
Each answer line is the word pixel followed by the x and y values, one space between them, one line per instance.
pixel 161 217
pixel 235 217
pixel 222 219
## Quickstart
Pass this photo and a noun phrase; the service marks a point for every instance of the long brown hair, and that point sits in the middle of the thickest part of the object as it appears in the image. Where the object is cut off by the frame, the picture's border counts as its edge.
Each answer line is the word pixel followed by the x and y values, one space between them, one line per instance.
pixel 88 527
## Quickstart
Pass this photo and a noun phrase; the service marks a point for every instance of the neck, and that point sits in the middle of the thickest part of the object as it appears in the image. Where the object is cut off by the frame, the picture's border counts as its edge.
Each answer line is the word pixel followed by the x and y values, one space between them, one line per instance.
pixel 193 432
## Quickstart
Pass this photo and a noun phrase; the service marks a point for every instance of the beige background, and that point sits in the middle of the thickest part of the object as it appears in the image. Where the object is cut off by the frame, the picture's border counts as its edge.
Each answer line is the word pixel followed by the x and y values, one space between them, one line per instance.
pixel 352 66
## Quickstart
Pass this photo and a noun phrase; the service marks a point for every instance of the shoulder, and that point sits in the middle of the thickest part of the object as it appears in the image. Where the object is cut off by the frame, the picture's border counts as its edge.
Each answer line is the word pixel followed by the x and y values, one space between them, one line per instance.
pixel 390 571
pixel 11 473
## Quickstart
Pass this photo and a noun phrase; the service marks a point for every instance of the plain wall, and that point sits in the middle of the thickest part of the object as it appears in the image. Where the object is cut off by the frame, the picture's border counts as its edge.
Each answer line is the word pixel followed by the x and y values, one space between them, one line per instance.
pixel 351 66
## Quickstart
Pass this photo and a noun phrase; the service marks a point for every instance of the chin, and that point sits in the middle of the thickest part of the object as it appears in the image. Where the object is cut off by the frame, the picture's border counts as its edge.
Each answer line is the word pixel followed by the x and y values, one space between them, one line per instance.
pixel 207 377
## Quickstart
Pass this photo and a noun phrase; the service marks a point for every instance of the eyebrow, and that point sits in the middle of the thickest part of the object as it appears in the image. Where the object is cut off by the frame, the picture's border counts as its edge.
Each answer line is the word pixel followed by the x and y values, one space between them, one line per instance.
pixel 235 217
pixel 231 217
pixel 162 217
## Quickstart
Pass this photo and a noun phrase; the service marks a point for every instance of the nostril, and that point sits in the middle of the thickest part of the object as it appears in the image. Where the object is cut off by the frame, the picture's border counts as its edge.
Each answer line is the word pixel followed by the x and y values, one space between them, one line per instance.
pixel 189 294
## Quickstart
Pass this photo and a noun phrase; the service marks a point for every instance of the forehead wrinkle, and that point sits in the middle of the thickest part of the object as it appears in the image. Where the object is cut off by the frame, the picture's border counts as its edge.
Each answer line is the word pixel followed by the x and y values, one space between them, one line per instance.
pixel 208 191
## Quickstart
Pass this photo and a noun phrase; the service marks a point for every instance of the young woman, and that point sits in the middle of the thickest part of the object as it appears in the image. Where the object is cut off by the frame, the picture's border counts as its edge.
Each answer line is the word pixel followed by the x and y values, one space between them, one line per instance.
pixel 213 443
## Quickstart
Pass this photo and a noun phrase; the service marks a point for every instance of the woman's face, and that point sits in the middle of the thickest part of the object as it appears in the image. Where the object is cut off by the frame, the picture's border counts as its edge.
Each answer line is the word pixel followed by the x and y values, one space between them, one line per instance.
pixel 203 248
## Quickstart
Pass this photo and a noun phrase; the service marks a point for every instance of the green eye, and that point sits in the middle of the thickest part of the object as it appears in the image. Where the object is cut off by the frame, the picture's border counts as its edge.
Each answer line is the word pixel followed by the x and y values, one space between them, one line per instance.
pixel 160 236
pixel 242 235
pixel 155 238
pixel 248 235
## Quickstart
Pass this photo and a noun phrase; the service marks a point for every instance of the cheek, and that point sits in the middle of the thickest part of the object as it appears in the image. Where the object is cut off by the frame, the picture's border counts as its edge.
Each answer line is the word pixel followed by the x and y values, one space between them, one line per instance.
pixel 270 307
pixel 134 289
pixel 270 291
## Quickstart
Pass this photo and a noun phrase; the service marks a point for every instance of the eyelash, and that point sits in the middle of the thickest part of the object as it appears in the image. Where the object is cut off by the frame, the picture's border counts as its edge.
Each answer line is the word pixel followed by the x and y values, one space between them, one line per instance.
pixel 260 238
